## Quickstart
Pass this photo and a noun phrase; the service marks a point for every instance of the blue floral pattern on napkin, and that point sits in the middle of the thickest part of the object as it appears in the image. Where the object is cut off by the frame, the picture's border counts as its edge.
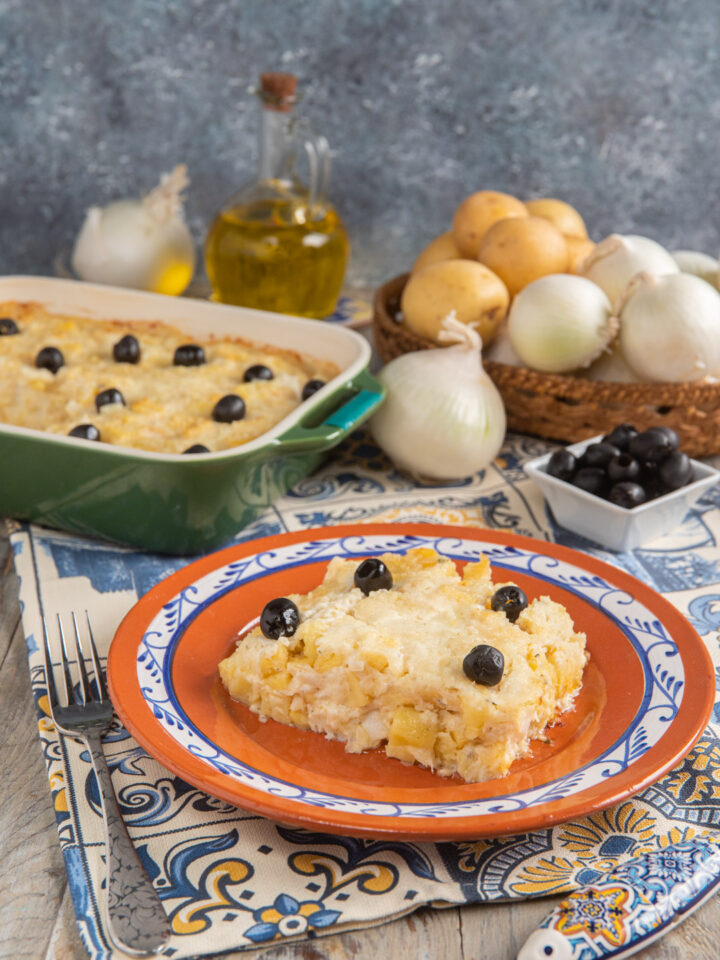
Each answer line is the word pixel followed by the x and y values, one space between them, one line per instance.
pixel 230 879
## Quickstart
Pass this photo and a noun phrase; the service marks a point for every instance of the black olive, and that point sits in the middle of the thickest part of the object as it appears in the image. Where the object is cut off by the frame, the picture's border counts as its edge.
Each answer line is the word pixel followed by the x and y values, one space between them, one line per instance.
pixel 562 464
pixel 627 494
pixel 189 355
pixel 258 372
pixel 651 446
pixel 672 437
pixel 623 467
pixel 600 454
pixel 50 358
pixel 509 600
pixel 650 481
pixel 229 408
pixel 197 448
pixel 127 350
pixel 85 431
pixel 621 436
pixel 675 471
pixel 592 480
pixel 107 397
pixel 8 327
pixel 311 387
pixel 484 664
pixel 372 574
pixel 280 618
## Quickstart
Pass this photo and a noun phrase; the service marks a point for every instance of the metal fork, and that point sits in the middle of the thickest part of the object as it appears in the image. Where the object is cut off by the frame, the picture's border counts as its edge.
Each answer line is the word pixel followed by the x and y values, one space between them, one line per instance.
pixel 137 922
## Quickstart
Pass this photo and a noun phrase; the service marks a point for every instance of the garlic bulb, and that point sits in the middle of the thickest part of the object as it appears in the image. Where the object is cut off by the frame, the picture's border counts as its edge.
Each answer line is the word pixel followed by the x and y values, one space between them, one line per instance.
pixel 698 264
pixel 560 323
pixel 670 328
pixel 143 244
pixel 615 261
pixel 443 418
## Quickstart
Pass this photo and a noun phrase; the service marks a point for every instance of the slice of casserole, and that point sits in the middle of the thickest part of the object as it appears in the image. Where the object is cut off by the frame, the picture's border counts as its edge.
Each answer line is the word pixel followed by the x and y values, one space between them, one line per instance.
pixel 385 664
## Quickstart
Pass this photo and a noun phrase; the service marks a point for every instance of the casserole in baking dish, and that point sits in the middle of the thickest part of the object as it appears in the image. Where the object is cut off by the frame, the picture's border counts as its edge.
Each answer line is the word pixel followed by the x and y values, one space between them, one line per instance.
pixel 170 502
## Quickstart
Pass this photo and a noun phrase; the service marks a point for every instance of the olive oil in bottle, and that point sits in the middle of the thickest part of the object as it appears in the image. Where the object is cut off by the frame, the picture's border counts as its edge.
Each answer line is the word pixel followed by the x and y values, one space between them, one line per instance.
pixel 278 244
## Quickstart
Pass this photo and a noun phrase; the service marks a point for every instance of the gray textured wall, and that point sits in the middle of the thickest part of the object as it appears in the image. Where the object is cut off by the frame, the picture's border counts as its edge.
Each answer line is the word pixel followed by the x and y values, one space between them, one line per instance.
pixel 613 105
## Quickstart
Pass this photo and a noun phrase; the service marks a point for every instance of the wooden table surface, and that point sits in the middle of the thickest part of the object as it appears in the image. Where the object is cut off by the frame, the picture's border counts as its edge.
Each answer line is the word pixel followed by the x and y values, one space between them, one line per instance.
pixel 36 916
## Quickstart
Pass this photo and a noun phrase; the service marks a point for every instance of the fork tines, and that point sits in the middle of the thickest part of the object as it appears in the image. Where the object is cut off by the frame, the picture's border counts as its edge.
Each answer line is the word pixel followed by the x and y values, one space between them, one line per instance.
pixel 86 693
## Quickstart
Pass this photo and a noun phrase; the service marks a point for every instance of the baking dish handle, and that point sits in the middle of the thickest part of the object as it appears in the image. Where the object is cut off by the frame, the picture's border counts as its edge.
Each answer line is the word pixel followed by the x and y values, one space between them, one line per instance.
pixel 361 397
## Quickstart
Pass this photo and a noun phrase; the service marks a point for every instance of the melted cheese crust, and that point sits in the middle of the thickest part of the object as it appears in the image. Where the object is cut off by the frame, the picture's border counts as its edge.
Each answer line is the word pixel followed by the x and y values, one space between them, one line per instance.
pixel 168 408
pixel 385 670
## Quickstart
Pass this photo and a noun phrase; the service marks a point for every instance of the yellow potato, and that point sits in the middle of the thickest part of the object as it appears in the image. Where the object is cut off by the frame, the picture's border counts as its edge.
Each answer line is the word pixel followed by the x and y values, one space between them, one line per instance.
pixel 520 250
pixel 441 248
pixel 578 249
pixel 476 295
pixel 565 217
pixel 477 213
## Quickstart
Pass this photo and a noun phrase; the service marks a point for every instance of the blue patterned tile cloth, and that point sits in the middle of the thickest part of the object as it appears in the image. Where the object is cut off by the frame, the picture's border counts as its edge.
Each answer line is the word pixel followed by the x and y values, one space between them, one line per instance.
pixel 230 879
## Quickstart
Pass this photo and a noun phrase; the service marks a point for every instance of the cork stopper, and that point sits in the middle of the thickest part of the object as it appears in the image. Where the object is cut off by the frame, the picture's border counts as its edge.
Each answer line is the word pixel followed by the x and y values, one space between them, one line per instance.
pixel 277 90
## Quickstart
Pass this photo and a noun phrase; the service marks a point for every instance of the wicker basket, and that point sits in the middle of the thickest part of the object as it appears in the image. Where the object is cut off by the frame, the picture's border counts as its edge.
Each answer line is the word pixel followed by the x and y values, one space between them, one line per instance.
pixel 569 408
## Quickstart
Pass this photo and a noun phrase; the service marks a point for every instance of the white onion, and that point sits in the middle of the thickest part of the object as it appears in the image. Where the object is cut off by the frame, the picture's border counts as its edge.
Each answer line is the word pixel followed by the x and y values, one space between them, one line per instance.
pixel 560 323
pixel 143 244
pixel 698 264
pixel 670 328
pixel 616 259
pixel 443 418
pixel 612 367
pixel 501 350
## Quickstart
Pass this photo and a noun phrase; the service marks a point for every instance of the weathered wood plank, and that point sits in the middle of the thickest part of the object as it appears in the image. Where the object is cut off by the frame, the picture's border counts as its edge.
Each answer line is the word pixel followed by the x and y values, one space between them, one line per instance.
pixel 698 937
pixel 497 931
pixel 9 606
pixel 33 876
pixel 65 943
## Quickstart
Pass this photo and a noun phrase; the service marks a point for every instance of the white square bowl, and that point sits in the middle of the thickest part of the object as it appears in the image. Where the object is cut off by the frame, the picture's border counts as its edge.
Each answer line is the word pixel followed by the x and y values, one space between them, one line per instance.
pixel 608 524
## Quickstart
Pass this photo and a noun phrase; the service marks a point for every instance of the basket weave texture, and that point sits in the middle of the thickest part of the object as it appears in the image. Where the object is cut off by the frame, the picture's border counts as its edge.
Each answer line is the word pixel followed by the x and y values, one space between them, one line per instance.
pixel 571 408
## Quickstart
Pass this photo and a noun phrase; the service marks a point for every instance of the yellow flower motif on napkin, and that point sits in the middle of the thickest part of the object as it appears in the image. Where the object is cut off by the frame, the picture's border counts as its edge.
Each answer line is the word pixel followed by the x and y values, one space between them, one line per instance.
pixel 288 917
pixel 675 835
pixel 371 876
pixel 469 854
pixel 607 836
pixel 547 875
pixel 192 917
pixel 599 842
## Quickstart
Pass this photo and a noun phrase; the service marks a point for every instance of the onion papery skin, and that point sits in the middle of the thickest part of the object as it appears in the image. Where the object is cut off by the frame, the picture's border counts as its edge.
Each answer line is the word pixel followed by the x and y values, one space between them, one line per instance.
pixel 124 245
pixel 670 328
pixel 698 264
pixel 560 323
pixel 617 259
pixel 440 420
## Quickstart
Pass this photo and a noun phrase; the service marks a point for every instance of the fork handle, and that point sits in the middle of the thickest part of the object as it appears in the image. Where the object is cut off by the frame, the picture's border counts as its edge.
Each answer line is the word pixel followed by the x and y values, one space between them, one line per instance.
pixel 137 921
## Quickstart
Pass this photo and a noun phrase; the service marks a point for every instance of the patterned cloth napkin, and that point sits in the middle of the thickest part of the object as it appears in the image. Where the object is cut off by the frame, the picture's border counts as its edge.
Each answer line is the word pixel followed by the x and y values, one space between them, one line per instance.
pixel 229 879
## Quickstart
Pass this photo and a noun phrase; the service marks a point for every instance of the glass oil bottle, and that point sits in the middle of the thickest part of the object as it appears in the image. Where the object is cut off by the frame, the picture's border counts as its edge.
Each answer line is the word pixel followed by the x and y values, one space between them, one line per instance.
pixel 278 244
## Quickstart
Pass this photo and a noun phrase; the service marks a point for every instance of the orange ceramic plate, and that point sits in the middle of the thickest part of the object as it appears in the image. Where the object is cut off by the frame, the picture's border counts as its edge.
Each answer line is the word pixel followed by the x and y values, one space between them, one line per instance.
pixel 633 720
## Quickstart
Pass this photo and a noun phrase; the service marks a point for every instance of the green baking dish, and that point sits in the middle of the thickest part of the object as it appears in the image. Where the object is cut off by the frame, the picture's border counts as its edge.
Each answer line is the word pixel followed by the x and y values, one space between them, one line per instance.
pixel 166 502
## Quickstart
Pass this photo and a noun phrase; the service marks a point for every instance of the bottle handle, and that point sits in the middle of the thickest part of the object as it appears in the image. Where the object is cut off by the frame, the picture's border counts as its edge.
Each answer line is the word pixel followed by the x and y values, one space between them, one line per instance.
pixel 318 154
